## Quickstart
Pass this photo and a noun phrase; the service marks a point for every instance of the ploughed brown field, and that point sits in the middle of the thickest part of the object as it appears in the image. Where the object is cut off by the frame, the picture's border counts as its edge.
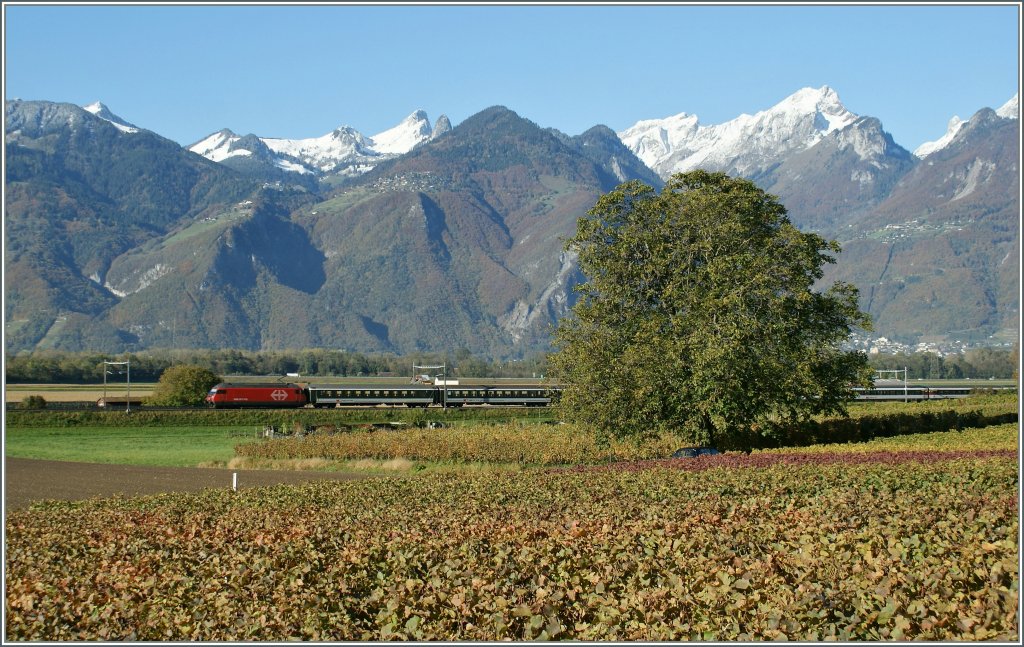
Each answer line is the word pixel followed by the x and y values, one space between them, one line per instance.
pixel 28 480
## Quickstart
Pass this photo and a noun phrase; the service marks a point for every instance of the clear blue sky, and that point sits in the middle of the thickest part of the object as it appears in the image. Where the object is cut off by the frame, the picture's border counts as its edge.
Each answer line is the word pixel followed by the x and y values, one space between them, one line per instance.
pixel 301 71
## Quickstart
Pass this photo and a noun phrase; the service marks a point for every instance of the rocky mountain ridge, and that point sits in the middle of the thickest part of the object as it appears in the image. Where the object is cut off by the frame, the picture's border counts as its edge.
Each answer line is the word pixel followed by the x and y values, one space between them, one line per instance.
pixel 451 237
pixel 342 152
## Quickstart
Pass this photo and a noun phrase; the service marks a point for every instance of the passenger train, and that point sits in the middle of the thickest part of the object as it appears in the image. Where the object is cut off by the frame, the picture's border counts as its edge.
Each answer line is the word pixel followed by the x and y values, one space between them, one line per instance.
pixel 284 395
pixel 278 396
pixel 912 392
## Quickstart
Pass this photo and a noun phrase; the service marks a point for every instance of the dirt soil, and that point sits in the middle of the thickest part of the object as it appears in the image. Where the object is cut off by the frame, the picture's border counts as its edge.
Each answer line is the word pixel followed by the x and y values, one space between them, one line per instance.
pixel 28 480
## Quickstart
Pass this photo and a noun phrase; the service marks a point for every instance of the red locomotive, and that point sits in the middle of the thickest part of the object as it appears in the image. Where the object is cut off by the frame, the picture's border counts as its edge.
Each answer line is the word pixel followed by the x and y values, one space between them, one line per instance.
pixel 225 396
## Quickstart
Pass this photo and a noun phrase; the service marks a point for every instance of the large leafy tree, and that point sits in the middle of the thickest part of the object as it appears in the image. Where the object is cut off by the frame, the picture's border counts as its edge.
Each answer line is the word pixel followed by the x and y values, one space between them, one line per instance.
pixel 700 315
pixel 183 385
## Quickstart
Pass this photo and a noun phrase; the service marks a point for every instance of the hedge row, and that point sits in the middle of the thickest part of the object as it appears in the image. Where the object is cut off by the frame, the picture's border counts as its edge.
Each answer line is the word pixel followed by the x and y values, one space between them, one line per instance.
pixel 569 444
pixel 896 419
pixel 504 443
pixel 283 419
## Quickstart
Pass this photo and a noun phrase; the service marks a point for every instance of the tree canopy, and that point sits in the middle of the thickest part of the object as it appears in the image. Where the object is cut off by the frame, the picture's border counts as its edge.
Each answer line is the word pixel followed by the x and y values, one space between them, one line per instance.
pixel 700 315
pixel 183 385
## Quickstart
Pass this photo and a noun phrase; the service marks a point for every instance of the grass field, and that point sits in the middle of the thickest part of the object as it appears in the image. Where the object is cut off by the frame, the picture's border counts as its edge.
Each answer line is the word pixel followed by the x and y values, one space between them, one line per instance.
pixel 169 446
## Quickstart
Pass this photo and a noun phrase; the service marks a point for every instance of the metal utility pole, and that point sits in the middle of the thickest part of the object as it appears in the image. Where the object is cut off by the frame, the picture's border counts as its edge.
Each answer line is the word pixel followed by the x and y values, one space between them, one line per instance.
pixel 895 374
pixel 128 371
pixel 444 380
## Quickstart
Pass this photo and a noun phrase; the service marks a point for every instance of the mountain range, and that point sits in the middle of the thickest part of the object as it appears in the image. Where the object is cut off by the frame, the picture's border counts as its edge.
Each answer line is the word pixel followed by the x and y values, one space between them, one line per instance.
pixel 429 237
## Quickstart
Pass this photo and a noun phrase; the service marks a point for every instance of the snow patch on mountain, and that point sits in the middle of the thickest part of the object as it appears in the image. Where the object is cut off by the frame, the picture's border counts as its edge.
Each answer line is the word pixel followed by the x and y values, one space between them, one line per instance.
pixel 746 145
pixel 287 165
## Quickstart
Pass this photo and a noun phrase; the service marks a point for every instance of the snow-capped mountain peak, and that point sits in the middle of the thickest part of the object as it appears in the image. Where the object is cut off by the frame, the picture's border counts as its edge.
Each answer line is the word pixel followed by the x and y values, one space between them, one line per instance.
pixel 413 130
pixel 746 145
pixel 217 146
pixel 1009 109
pixel 325 153
pixel 344 150
pixel 822 101
pixel 927 148
pixel 103 112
